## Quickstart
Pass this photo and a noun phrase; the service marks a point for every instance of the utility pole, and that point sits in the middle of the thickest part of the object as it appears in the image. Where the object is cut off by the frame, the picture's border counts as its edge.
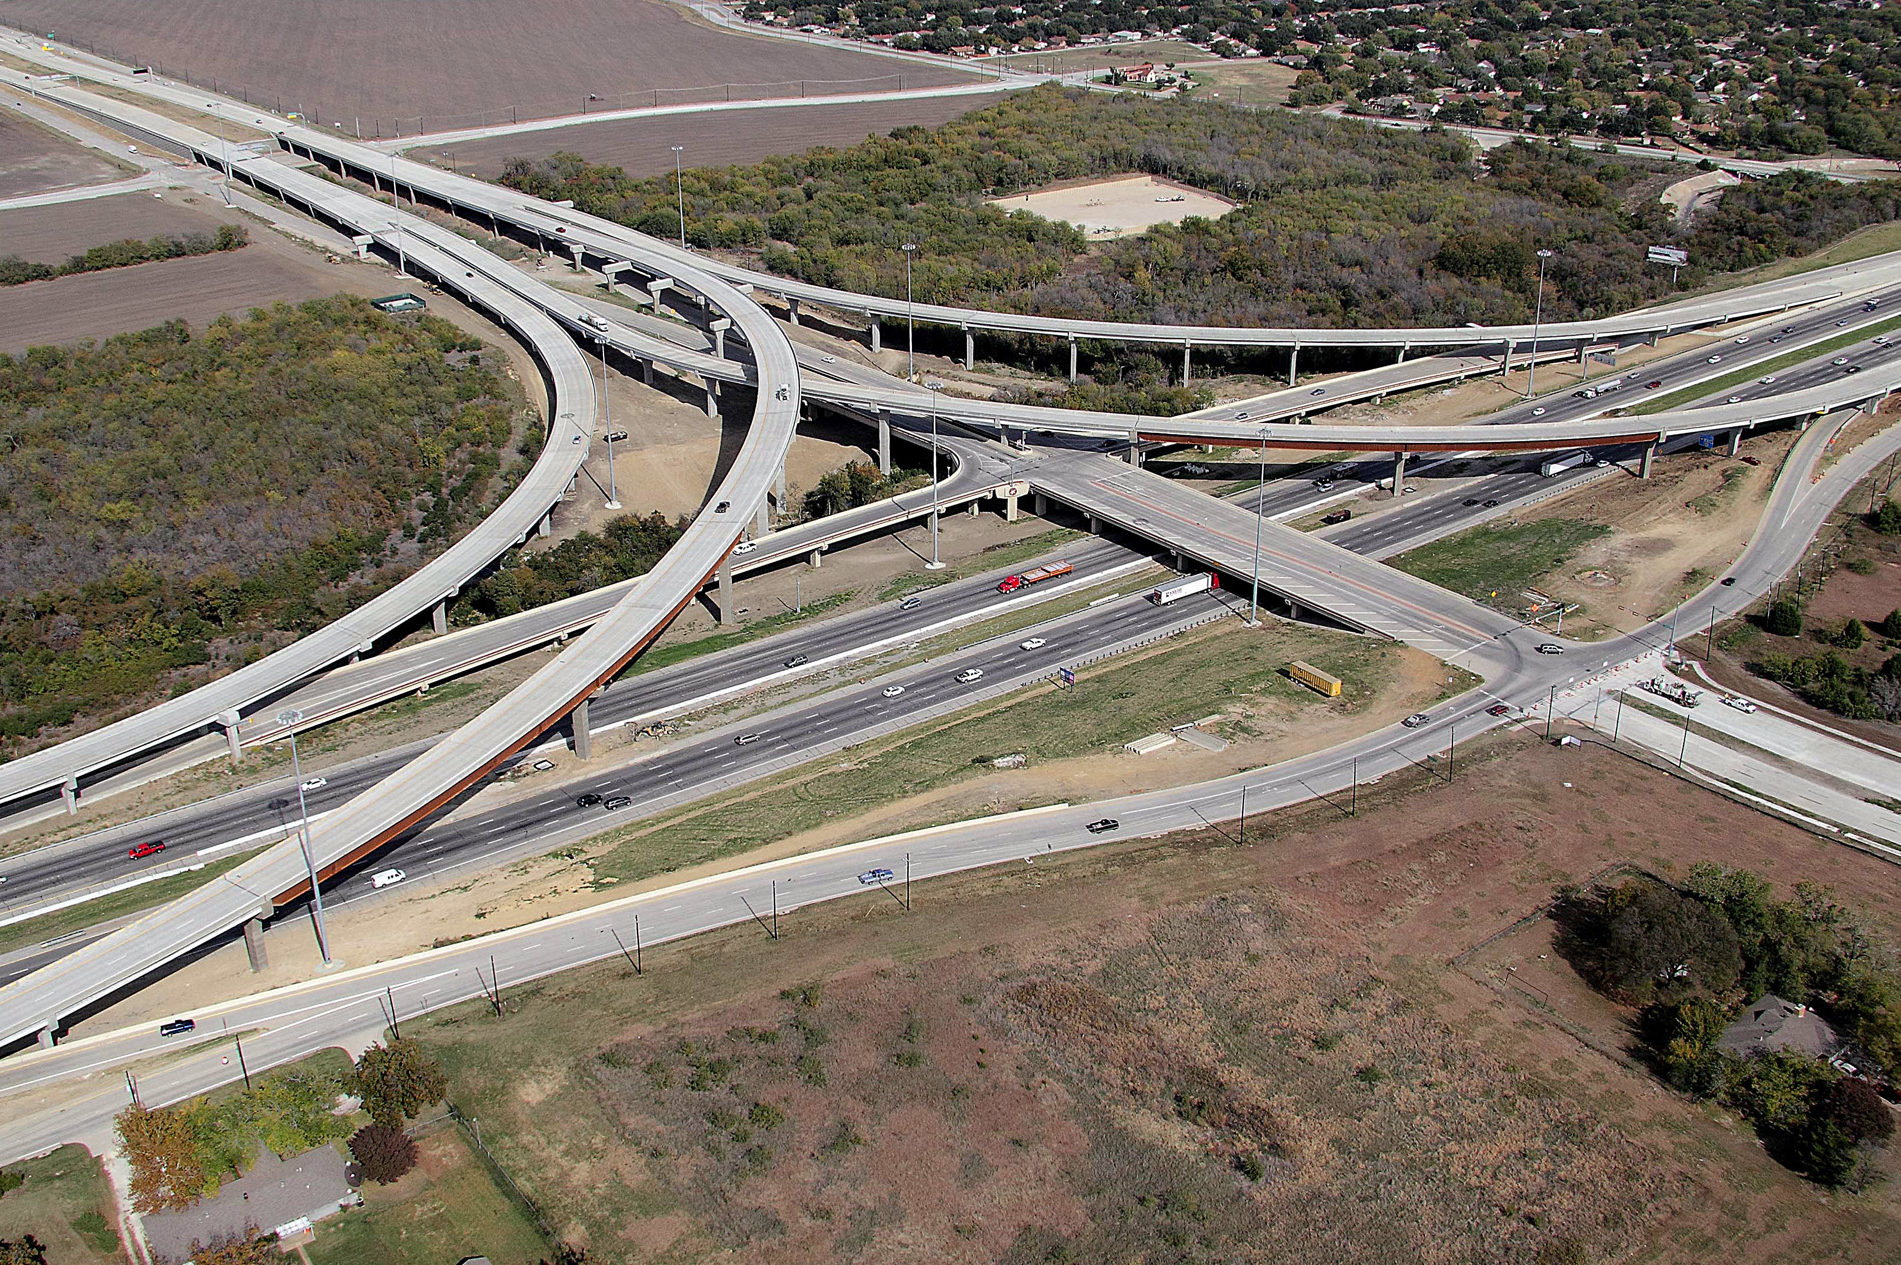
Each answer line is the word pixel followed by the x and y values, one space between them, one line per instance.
pixel 1244 815
pixel 224 150
pixel 907 882
pixel 288 719
pixel 1353 808
pixel 1551 706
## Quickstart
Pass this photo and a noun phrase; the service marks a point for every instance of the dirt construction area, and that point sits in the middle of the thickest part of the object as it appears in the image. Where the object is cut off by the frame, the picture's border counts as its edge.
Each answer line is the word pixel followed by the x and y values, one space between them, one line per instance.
pixel 1120 205
pixel 641 147
pixel 1350 1040
pixel 34 159
pixel 454 63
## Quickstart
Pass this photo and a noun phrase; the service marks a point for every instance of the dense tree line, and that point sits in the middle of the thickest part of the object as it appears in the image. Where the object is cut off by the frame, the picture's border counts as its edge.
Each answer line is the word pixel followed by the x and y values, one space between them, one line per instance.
pixel 858 483
pixel 1770 74
pixel 181 1154
pixel 17 271
pixel 172 499
pixel 1693 957
pixel 625 548
pixel 1341 224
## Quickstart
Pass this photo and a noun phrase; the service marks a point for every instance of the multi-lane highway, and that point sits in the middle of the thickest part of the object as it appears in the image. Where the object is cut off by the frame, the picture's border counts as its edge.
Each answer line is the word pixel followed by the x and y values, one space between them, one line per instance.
pixel 1304 570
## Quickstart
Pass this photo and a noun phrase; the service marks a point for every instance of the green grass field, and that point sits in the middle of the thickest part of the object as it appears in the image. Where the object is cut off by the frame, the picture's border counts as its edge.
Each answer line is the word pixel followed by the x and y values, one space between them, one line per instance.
pixel 1493 563
pixel 445 1210
pixel 65 1204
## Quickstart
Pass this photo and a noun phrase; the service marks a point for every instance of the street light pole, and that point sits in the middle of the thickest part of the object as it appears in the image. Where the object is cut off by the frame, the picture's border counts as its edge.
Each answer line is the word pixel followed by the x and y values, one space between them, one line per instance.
pixel 288 719
pixel 607 420
pixel 679 191
pixel 1537 319
pixel 1254 602
pixel 910 320
pixel 935 564
pixel 224 150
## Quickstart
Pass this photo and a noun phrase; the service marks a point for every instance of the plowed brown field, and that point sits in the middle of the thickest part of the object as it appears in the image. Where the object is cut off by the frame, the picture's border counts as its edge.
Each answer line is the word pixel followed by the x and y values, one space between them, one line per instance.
pixel 450 61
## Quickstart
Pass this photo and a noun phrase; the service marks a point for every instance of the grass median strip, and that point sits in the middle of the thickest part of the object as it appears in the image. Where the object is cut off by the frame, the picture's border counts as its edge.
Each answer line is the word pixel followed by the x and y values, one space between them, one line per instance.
pixel 666 655
pixel 1495 562
pixel 1202 672
pixel 113 905
pixel 991 558
pixel 1744 376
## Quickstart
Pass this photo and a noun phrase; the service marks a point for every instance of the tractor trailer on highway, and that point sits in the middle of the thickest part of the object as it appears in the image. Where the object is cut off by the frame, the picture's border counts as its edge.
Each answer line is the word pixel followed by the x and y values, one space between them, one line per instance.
pixel 1187 586
pixel 1036 575
pixel 1558 465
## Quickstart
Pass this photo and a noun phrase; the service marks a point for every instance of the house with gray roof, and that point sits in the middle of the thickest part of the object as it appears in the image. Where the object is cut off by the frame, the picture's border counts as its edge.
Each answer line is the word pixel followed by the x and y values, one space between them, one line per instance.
pixel 1771 1024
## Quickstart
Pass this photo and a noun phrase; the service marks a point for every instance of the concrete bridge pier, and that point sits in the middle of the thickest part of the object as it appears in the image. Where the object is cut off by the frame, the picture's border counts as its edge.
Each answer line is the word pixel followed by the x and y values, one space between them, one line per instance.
pixel 69 792
pixel 725 613
pixel 254 943
pixel 362 242
pixel 1399 473
pixel 583 738
pixel 646 373
pixel 712 396
pixel 1403 349
pixel 1009 506
pixel 545 528
pixel 1650 455
pixel 1134 453
pixel 1072 357
pixel 229 720
pixel 1039 505
pixel 884 442
pixel 762 517
pixel 1187 361
pixel 1510 347
pixel 1293 363
pixel 877 334
pixel 45 1035
pixel 1095 525
pixel 574 248
pixel 1735 441
pixel 611 273
pixel 792 310
pixel 778 488
pixel 970 349
pixel 439 617
pixel 719 327
pixel 815 559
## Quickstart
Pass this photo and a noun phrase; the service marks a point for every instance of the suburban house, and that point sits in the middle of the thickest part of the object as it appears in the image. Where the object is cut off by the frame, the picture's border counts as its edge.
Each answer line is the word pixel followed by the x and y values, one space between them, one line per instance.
pixel 1771 1024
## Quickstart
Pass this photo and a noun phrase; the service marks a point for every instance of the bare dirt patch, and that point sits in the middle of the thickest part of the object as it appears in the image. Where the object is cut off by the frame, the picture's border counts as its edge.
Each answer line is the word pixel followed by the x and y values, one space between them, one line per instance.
pixel 48 234
pixel 1118 205
pixel 1101 1046
pixel 35 159
pixel 641 147
pixel 454 62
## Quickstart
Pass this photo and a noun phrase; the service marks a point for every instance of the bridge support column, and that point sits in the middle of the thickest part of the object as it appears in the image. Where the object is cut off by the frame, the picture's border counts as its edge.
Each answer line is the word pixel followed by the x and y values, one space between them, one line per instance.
pixel 877 335
pixel 971 509
pixel 1735 441
pixel 46 1035
pixel 1039 505
pixel 1072 359
pixel 815 559
pixel 254 944
pixel 1188 350
pixel 884 442
pixel 439 617
pixel 583 739
pixel 228 718
pixel 792 310
pixel 1403 349
pixel 545 528
pixel 575 249
pixel 778 488
pixel 1293 363
pixel 646 373
pixel 1650 454
pixel 726 592
pixel 610 273
pixel 762 517
pixel 712 398
pixel 1510 347
pixel 1583 353
pixel 1399 473
pixel 719 328
pixel 362 242
pixel 970 349
pixel 1095 525
pixel 69 792
pixel 1009 507
pixel 1134 454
